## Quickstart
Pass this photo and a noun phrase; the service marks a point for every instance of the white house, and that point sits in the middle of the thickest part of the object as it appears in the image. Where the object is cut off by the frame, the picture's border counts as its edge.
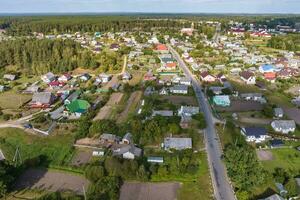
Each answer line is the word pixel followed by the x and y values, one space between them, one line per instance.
pixel 248 77
pixel 255 134
pixel 47 78
pixel 284 126
pixel 179 89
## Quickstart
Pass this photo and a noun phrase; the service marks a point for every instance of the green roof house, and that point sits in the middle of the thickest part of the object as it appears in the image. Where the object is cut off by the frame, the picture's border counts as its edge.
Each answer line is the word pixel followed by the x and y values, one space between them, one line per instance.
pixel 221 100
pixel 76 108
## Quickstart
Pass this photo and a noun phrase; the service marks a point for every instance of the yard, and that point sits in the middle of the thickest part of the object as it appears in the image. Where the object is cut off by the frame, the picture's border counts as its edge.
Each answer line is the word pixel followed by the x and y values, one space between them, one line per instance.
pixel 180 100
pixel 54 149
pixel 287 158
pixel 13 100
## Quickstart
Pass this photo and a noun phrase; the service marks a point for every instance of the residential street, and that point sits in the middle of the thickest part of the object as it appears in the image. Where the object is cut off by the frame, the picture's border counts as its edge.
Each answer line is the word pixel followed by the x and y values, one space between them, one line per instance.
pixel 220 181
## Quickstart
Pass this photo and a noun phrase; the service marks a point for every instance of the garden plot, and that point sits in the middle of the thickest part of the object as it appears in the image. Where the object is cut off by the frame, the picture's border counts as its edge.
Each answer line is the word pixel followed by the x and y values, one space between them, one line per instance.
pixel 131 105
pixel 264 155
pixel 43 179
pixel 180 100
pixel 241 106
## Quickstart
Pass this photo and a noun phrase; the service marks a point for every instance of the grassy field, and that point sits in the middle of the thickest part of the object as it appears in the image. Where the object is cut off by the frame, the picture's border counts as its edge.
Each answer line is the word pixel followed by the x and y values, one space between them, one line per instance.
pixel 200 188
pixel 286 158
pixel 56 149
pixel 13 100
pixel 196 186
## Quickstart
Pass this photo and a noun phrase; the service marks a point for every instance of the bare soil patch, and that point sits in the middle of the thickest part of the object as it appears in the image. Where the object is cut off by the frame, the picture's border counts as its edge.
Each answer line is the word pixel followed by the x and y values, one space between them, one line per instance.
pixel 242 106
pixel 82 157
pixel 264 155
pixel 43 179
pixel 149 191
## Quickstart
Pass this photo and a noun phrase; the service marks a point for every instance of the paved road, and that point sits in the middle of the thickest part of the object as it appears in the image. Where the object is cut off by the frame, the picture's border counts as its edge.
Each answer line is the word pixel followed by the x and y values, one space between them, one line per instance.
pixel 220 181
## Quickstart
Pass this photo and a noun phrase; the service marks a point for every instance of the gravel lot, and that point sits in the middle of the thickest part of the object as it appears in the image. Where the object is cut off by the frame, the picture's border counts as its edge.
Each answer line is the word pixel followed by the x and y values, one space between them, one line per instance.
pixel 149 191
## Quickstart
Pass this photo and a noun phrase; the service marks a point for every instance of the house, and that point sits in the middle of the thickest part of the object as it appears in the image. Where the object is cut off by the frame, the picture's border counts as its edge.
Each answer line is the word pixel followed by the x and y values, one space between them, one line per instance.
pixel 169 66
pixel 274 197
pixel 149 91
pixel 270 76
pixel 107 138
pixel 75 95
pixel 42 100
pixel 206 77
pixel 65 78
pixel 149 76
pixel 284 126
pixel 163 113
pixel 158 160
pixel 76 108
pixel 128 152
pixel 255 134
pixel 217 90
pixel 185 81
pixel 177 143
pixel 276 143
pixel 56 84
pixel 126 76
pixel 221 100
pixel 187 31
pixel 127 139
pixel 105 78
pixel 179 89
pixel 85 77
pixel 114 47
pixel 188 111
pixel 253 97
pixel 49 77
pixel 98 153
pixel 161 48
pixel 9 77
pixel 164 91
pixel 248 77
pixel 32 89
pixel 278 112
pixel 221 77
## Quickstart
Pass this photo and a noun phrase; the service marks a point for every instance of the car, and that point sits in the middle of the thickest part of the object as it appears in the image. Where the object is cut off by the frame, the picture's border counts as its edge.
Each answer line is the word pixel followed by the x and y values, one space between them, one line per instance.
pixel 29 126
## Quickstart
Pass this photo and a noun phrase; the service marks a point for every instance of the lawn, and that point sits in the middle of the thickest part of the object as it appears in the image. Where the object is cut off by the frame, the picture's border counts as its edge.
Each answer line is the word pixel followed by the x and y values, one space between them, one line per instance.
pixel 287 158
pixel 56 149
pixel 13 100
pixel 196 186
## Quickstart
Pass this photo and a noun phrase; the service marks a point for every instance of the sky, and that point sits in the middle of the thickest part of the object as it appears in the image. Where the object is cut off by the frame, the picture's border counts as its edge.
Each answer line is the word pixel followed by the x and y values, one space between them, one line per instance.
pixel 151 6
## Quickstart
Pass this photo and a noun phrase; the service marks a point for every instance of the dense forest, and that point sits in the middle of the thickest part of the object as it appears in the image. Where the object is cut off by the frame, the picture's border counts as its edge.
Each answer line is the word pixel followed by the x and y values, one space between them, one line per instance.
pixel 289 42
pixel 40 56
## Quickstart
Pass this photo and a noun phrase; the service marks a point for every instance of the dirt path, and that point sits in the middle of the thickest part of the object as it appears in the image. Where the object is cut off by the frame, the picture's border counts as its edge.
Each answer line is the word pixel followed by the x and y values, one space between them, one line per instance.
pixel 105 111
pixel 124 65
pixel 132 102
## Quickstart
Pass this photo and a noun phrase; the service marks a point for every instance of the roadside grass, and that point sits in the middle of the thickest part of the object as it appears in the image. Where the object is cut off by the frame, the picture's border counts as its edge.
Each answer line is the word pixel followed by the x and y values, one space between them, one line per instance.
pixel 13 100
pixel 286 158
pixel 55 149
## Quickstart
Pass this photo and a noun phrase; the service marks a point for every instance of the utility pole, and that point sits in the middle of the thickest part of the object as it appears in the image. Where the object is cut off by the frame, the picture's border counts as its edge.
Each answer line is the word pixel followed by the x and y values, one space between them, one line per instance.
pixel 84 194
pixel 17 157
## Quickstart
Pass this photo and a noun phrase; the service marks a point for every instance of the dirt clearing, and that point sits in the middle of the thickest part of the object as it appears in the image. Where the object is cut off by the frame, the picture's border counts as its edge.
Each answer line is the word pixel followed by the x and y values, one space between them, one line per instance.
pixel 43 179
pixel 82 157
pixel 149 191
pixel 264 155
pixel 242 106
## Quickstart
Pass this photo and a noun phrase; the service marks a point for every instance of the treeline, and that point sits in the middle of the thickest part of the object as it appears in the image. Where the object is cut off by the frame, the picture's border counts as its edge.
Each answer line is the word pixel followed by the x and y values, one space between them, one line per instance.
pixel 40 56
pixel 63 24
pixel 289 42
